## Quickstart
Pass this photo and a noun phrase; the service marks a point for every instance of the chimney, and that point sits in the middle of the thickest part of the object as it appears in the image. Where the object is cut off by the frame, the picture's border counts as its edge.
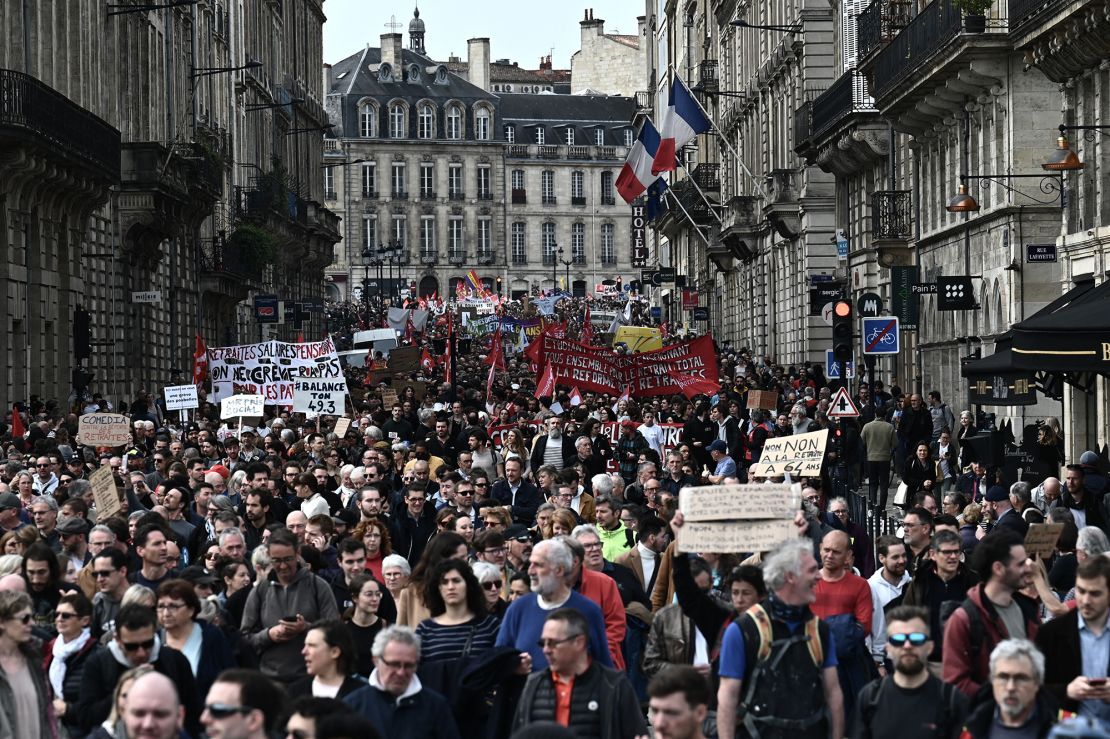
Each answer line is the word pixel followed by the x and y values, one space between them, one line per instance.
pixel 477 62
pixel 591 27
pixel 641 29
pixel 391 52
pixel 327 78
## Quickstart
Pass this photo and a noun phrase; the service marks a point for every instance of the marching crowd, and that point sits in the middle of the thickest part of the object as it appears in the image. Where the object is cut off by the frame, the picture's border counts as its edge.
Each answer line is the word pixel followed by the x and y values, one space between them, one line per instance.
pixel 472 564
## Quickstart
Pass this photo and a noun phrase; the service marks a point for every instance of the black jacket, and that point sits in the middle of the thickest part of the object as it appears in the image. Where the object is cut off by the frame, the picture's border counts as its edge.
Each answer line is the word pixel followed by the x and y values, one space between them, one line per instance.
pixel 979 723
pixel 71 683
pixel 410 535
pixel 1063 659
pixel 621 716
pixel 569 452
pixel 528 500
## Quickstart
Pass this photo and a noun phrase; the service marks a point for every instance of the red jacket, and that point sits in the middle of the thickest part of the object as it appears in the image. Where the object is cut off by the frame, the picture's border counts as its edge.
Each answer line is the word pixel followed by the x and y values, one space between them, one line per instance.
pixel 966 671
pixel 601 589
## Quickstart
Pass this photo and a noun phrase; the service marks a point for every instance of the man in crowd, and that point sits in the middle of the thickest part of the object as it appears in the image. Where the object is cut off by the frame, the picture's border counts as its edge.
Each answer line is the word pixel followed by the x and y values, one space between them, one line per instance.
pixel 513 490
pixel 44 512
pixel 879 439
pixel 110 573
pixel 725 465
pixel 413 526
pixel 644 559
pixel 616 539
pixel 887 585
pixel 676 479
pixel 679 702
pixel 150 545
pixel 938 586
pixel 1018 705
pixel 918 527
pixel 152 709
pixel 242 704
pixel 553 448
pixel 996 504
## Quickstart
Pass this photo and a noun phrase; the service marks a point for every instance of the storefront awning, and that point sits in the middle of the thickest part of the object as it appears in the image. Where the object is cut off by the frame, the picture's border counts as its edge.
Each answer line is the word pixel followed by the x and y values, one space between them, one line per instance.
pixel 994 380
pixel 1071 335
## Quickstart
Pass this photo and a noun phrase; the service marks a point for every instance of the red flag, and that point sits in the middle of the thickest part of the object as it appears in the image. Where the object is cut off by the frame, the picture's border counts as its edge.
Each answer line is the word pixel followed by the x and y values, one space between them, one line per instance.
pixel 496 356
pixel 448 357
pixel 545 388
pixel 17 424
pixel 587 328
pixel 426 360
pixel 489 380
pixel 692 385
pixel 575 396
pixel 200 362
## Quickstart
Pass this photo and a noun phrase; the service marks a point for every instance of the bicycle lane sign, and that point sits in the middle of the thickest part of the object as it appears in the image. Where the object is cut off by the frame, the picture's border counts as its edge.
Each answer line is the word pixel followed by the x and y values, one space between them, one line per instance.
pixel 881 336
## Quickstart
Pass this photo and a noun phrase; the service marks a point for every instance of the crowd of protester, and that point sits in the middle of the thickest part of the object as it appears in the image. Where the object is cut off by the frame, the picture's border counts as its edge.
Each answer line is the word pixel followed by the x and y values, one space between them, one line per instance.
pixel 464 564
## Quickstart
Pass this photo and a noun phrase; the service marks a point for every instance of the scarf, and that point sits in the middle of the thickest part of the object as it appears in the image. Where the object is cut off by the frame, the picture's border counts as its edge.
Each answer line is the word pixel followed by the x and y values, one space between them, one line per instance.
pixel 782 612
pixel 63 650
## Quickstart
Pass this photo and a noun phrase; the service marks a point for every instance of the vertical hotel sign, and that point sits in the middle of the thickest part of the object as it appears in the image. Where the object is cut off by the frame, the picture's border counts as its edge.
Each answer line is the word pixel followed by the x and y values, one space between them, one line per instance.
pixel 639 234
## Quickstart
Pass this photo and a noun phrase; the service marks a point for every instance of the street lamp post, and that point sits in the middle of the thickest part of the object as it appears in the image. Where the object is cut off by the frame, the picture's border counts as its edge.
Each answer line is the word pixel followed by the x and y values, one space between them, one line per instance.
pixel 556 253
pixel 367 260
pixel 567 263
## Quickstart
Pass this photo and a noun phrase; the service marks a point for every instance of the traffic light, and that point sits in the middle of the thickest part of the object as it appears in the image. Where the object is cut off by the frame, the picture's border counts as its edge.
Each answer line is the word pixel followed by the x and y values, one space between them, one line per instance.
pixel 842 332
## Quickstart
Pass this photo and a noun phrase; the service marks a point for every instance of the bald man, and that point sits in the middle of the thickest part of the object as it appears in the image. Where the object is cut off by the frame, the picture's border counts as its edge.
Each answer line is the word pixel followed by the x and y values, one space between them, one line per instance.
pixel 843 600
pixel 152 709
pixel 13 582
pixel 297 522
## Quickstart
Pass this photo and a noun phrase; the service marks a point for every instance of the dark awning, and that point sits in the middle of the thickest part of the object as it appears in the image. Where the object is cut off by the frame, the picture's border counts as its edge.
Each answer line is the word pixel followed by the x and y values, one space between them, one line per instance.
pixel 1070 335
pixel 994 380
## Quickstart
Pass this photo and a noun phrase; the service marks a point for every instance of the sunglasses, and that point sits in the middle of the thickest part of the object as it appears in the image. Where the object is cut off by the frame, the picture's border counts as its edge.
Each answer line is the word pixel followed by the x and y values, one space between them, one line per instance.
pixel 103 573
pixel 135 646
pixel 24 619
pixel 492 585
pixel 916 639
pixel 223 710
pixel 64 616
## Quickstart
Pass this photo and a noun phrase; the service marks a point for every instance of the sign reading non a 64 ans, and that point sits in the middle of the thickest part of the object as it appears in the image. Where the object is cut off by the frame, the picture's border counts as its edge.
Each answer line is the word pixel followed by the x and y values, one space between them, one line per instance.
pixel 239 406
pixel 799 455
pixel 181 397
pixel 319 396
pixel 104 429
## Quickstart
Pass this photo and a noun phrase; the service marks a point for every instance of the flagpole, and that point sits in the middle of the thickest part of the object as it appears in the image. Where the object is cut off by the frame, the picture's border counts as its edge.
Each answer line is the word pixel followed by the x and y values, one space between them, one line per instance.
pixel 712 208
pixel 724 139
pixel 688 217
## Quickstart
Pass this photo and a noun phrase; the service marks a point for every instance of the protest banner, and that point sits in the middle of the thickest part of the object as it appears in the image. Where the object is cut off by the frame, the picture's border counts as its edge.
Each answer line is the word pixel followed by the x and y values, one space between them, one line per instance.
pixel 319 396
pixel 269 368
pixel 799 455
pixel 737 518
pixel 105 494
pixel 181 397
pixel 104 429
pixel 611 430
pixel 597 369
pixel 1040 540
pixel 238 406
pixel 341 426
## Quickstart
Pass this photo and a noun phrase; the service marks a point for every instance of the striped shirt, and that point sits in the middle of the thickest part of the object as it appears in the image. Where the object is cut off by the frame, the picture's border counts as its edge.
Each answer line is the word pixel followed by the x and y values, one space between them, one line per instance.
pixel 439 642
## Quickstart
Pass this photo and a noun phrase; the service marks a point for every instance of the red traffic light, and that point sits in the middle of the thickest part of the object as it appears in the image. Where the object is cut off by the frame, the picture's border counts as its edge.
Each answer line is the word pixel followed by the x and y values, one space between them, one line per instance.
pixel 842 309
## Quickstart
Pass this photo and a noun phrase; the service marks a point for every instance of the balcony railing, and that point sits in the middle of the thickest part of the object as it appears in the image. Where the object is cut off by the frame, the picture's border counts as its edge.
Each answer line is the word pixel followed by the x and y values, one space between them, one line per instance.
pixel 606 152
pixel 846 96
pixel 1023 13
pixel 891 215
pixel 577 199
pixel 428 256
pixel 369 194
pixel 608 200
pixel 400 195
pixel 519 196
pixel 456 196
pixel 579 258
pixel 707 75
pixel 427 195
pixel 548 200
pixel 330 195
pixel 520 258
pixel 878 24
pixel 643 99
pixel 456 256
pixel 549 152
pixel 608 258
pixel 803 125
pixel 485 196
pixel 518 151
pixel 29 105
pixel 931 30
pixel 707 175
pixel 549 260
pixel 484 256
pixel 225 257
pixel 578 152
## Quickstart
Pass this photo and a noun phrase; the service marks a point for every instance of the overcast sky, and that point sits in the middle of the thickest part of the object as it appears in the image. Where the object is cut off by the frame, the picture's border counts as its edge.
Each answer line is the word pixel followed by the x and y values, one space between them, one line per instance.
pixel 522 31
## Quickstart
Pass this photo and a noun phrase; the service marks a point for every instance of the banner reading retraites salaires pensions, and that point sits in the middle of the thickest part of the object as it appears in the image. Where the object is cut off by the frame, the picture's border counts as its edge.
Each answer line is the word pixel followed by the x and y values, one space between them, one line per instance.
pixel 269 368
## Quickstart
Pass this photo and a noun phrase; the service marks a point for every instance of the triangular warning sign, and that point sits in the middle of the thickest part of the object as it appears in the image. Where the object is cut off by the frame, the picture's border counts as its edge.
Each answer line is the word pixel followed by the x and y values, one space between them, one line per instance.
pixel 841 405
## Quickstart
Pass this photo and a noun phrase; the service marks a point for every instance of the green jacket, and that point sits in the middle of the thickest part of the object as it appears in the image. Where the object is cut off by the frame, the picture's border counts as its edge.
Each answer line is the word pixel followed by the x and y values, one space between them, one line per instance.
pixel 616 542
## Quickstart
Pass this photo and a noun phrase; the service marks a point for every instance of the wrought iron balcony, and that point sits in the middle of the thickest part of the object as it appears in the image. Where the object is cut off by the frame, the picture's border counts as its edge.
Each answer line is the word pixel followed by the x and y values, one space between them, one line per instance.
pixel 427 195
pixel 803 125
pixel 485 256
pixel 231 258
pixel 608 200
pixel 891 215
pixel 369 194
pixel 549 259
pixel 331 195
pixel 485 196
pixel 400 195
pixel 518 151
pixel 577 199
pixel 1024 14
pixel 879 23
pixel 707 75
pixel 456 196
pixel 519 258
pixel 29 107
pixel 845 96
pixel 519 196
pixel 708 176
pixel 456 256
pixel 608 258
pixel 548 200
pixel 428 256
pixel 930 31
pixel 579 258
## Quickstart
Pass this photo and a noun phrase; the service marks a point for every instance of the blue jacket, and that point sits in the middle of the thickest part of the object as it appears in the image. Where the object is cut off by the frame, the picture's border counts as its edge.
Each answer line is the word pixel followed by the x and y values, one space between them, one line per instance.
pixel 423 715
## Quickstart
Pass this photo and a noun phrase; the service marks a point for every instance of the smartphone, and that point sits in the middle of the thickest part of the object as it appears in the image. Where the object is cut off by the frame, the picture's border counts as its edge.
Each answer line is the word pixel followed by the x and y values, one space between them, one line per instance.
pixel 290 619
pixel 1096 682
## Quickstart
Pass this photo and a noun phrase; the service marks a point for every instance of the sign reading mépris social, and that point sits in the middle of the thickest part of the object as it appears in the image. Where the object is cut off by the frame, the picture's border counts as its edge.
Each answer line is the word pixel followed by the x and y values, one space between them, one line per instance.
pixel 240 406
pixel 104 429
pixel 639 236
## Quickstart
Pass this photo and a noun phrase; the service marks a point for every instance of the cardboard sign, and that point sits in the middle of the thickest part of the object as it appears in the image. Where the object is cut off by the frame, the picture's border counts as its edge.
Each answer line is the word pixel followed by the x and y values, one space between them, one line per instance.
pixel 105 493
pixel 181 397
pixel 389 397
pixel 1040 540
pixel 104 429
pixel 341 426
pixel 748 502
pixel 767 400
pixel 404 359
pixel 319 396
pixel 734 536
pixel 799 455
pixel 242 405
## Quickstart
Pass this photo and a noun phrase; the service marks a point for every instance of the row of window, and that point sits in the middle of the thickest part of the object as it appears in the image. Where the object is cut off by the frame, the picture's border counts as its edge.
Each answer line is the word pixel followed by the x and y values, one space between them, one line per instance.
pixel 428 124
pixel 398 180
pixel 483 241
pixel 569 136
pixel 577 187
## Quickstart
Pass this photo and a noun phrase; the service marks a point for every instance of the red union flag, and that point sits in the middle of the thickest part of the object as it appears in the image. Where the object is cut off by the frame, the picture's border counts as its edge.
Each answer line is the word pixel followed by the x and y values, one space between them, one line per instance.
pixel 545 388
pixel 692 385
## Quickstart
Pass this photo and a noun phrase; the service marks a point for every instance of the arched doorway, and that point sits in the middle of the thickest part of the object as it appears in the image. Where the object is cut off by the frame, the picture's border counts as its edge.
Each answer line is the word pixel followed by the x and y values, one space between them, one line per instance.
pixel 429 286
pixel 331 292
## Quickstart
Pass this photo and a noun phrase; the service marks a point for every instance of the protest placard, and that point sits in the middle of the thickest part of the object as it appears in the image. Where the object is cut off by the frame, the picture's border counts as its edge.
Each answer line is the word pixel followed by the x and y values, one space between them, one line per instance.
pixel 404 359
pixel 734 536
pixel 104 429
pixel 749 502
pixel 319 396
pixel 341 426
pixel 1040 540
pixel 181 397
pixel 766 399
pixel 799 455
pixel 268 368
pixel 389 397
pixel 105 493
pixel 242 405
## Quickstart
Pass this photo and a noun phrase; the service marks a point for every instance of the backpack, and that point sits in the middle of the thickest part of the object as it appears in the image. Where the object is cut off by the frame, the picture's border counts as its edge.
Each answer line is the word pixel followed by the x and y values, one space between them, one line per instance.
pixel 869 704
pixel 975 629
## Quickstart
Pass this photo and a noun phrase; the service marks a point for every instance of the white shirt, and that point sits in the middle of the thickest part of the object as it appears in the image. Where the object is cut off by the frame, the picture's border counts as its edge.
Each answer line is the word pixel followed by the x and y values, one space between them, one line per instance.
pixel 654 435
pixel 882 592
pixel 647 561
pixel 314 506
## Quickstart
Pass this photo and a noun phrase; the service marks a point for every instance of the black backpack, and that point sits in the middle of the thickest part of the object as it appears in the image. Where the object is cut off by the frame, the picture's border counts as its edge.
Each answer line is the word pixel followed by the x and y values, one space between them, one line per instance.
pixel 975 630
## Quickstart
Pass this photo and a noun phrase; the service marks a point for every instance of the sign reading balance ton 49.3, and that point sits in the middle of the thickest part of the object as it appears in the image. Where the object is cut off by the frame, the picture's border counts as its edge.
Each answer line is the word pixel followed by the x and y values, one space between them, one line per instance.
pixel 319 396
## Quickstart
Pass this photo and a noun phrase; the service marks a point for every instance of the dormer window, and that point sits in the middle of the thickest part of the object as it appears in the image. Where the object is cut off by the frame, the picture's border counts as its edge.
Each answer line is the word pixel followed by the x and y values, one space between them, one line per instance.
pixel 414 74
pixel 570 136
pixel 539 136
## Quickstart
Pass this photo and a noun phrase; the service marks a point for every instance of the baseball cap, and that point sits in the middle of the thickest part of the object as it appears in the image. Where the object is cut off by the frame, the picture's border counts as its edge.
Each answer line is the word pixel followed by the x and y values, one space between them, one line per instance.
pixel 718 446
pixel 9 500
pixel 72 525
pixel 518 532
pixel 196 575
pixel 997 494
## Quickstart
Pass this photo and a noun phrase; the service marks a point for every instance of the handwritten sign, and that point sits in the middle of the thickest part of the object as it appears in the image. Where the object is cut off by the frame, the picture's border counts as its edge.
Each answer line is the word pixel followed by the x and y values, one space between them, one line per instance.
pixel 800 455
pixel 404 359
pixel 104 429
pixel 749 502
pixel 1040 540
pixel 389 397
pixel 236 406
pixel 181 397
pixel 105 493
pixel 734 536
pixel 765 399
pixel 341 426
pixel 320 396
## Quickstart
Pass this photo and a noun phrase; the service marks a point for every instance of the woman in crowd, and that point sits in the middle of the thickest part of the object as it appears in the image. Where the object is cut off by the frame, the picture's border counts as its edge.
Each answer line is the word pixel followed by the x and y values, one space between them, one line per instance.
pixel 16 542
pixel 966 429
pixel 113 727
pixel 497 518
pixel 374 535
pixel 26 710
pixel 395 574
pixel 464 527
pixel 519 586
pixel 491 578
pixel 363 620
pixel 203 644
pixel 235 576
pixel 445 520
pixel 411 608
pixel 460 624
pixel 329 660
pixel 562 522
pixel 209 558
pixel 542 529
pixel 66 655
pixel 921 473
pixel 514 446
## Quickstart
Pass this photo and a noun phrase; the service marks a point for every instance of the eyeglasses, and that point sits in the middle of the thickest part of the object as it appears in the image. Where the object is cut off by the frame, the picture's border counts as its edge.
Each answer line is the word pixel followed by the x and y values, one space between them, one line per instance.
pixel 103 573
pixel 223 710
pixel 24 619
pixel 64 615
pixel 283 560
pixel 43 465
pixel 492 585
pixel 403 666
pixel 545 643
pixel 495 550
pixel 481 484
pixel 948 552
pixel 169 606
pixel 595 545
pixel 135 646
pixel 915 639
pixel 841 512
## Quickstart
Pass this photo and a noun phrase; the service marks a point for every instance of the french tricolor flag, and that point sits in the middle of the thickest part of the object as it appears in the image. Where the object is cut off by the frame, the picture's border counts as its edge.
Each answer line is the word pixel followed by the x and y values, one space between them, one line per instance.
pixel 682 121
pixel 636 174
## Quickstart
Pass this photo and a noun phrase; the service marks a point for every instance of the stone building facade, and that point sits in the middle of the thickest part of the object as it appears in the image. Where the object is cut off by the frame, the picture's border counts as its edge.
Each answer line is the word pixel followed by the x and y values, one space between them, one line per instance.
pixel 609 63
pixel 129 136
